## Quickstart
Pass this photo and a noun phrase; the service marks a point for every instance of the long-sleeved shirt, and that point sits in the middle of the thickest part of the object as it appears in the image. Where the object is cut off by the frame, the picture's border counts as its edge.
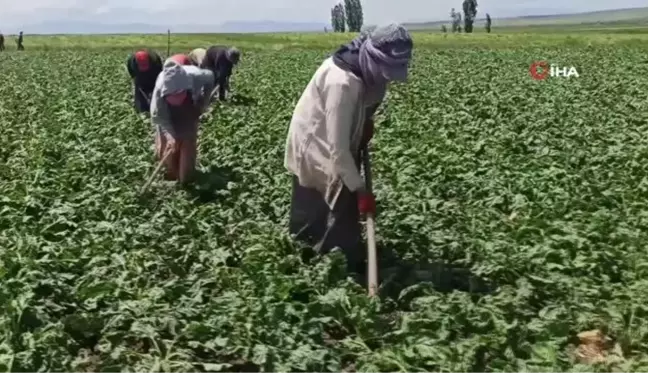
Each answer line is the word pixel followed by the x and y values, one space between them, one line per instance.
pixel 145 80
pixel 326 131
pixel 216 60
pixel 199 82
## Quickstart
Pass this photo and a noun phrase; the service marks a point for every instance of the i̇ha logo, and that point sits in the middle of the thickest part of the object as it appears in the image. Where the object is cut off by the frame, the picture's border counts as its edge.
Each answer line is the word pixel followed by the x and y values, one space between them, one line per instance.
pixel 540 70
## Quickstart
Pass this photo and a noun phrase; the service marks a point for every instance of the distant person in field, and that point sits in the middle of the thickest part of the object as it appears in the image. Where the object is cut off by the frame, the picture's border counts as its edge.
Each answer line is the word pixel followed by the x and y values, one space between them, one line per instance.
pixel 181 59
pixel 331 124
pixel 2 40
pixel 181 95
pixel 221 61
pixel 20 42
pixel 144 66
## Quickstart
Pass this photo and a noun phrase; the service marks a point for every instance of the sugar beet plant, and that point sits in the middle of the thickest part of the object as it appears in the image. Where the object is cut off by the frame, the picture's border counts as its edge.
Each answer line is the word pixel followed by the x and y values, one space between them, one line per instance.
pixel 514 211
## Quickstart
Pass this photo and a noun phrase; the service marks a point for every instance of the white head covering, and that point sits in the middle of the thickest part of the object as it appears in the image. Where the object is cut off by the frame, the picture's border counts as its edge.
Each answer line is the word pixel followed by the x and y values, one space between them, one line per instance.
pixel 174 78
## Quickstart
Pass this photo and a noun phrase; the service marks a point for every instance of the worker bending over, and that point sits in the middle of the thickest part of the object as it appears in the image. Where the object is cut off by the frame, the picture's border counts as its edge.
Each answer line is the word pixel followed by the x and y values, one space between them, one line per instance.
pixel 221 61
pixel 197 56
pixel 182 93
pixel 143 67
pixel 331 124
pixel 181 59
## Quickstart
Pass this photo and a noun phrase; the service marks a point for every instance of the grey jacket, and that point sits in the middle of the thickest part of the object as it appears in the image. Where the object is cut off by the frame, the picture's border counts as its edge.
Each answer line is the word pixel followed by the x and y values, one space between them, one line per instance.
pixel 173 78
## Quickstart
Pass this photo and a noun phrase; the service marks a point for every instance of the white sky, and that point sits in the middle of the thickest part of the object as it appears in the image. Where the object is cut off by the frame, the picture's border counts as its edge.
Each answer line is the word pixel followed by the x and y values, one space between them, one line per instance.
pixel 15 13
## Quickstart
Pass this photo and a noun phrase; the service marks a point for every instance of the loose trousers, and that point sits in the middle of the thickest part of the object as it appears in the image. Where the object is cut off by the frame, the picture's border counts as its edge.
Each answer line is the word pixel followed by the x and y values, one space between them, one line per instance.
pixel 180 165
pixel 316 224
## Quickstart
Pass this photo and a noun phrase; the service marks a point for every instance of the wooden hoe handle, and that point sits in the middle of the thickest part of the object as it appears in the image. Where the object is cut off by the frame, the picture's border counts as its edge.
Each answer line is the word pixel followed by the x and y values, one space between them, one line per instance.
pixel 372 257
pixel 156 171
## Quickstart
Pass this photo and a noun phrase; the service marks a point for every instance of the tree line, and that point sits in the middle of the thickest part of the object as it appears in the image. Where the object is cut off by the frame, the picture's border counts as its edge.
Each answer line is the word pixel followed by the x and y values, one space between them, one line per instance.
pixel 347 16
pixel 468 18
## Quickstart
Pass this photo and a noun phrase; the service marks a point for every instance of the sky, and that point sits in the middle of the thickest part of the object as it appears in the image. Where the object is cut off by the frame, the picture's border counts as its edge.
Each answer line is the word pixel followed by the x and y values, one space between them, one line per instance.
pixel 16 14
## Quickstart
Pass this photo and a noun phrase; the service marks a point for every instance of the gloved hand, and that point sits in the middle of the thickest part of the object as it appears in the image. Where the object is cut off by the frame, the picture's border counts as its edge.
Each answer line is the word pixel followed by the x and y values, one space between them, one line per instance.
pixel 368 132
pixel 366 203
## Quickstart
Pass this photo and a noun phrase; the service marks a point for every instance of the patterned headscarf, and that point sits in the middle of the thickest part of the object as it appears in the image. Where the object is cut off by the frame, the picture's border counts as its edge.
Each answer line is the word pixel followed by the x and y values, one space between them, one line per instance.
pixel 385 54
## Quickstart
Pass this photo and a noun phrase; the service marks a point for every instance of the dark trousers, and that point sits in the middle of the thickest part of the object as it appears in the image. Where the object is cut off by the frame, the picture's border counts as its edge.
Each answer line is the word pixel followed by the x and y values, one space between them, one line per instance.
pixel 314 223
pixel 141 102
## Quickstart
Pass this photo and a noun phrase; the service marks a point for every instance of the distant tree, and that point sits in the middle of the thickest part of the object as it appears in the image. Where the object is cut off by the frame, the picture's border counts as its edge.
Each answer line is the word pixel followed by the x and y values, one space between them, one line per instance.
pixel 444 29
pixel 338 20
pixel 488 23
pixel 354 15
pixel 470 13
pixel 459 22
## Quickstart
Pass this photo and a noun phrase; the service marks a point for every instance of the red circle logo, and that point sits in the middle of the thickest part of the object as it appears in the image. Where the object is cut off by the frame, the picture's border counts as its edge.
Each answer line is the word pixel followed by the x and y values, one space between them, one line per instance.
pixel 539 75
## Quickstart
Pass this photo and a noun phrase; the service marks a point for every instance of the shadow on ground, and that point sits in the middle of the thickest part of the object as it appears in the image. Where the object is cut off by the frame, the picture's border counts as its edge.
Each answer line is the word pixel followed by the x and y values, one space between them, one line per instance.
pixel 396 274
pixel 207 184
pixel 242 100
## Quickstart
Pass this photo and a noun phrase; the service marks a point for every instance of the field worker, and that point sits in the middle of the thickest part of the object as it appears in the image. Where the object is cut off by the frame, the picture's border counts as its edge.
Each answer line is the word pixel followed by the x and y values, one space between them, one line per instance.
pixel 181 59
pixel 221 61
pixel 20 42
pixel 197 56
pixel 2 40
pixel 181 95
pixel 331 123
pixel 143 66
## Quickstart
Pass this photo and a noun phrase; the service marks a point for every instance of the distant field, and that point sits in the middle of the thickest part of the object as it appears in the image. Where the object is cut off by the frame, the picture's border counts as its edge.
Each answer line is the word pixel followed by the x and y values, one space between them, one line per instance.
pixel 320 41
pixel 619 27
pixel 592 20
pixel 518 210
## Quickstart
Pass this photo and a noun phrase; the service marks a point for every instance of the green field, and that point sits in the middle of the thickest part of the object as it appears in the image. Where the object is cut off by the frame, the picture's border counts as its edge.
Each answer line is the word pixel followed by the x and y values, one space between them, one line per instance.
pixel 517 211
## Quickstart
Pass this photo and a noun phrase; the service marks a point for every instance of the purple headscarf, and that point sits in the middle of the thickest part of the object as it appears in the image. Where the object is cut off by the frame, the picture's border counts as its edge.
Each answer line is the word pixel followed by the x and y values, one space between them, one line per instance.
pixel 384 57
pixel 385 54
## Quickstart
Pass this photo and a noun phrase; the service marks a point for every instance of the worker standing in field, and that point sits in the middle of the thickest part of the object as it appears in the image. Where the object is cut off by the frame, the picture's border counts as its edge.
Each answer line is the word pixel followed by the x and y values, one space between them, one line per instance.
pixel 181 95
pixel 20 42
pixel 221 61
pixel 143 66
pixel 331 123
